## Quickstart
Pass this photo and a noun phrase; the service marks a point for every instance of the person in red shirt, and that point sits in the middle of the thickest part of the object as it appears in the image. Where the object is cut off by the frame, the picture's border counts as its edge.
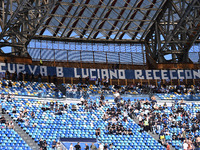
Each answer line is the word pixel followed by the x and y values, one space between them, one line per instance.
pixel 168 146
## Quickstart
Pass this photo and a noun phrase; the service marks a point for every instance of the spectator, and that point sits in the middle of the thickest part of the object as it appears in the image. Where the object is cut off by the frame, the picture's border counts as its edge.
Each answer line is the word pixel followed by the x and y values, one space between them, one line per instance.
pixel 20 76
pixel 10 84
pixel 54 144
pixel 11 125
pixel 101 146
pixel 3 108
pixel 111 146
pixel 45 145
pixel 14 110
pixel 54 79
pixel 49 78
pixel 185 145
pixel 80 80
pixel 7 75
pixel 98 132
pixel 2 96
pixel 105 146
pixel 26 76
pixel 86 147
pixel 82 100
pixel 168 146
pixel 102 97
pixel 32 77
pixel 97 82
pixel 77 146
pixel 25 112
pixel 106 82
pixel 2 119
pixel 41 144
pixel 58 146
pixel 51 105
pixel 26 123
pixel 71 147
pixel 7 124
pixel 87 80
pixel 39 77
pixel 93 147
pixel 15 76
pixel 32 114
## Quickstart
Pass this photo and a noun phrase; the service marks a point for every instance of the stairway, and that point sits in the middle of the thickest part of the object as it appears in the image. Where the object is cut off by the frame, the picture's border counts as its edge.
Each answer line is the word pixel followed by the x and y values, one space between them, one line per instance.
pixel 61 88
pixel 155 136
pixel 22 134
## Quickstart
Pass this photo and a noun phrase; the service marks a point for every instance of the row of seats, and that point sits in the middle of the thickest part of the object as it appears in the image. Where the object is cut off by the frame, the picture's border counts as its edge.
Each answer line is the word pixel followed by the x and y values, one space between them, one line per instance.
pixel 26 88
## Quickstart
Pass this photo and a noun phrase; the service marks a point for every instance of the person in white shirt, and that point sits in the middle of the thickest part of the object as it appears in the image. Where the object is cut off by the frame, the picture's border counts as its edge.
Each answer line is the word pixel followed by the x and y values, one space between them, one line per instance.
pixel 71 147
pixel 58 146
pixel 185 145
pixel 117 97
pixel 82 100
pixel 11 125
pixel 26 123
pixel 100 146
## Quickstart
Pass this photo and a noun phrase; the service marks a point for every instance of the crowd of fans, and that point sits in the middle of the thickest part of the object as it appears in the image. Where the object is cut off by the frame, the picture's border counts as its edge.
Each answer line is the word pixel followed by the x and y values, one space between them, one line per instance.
pixel 154 118
pixel 163 119
pixel 151 116
pixel 8 124
pixel 78 90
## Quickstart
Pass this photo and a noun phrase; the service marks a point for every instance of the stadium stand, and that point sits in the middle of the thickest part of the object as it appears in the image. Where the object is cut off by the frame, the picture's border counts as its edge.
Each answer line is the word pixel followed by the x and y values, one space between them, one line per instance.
pixel 51 123
pixel 99 114
pixel 99 75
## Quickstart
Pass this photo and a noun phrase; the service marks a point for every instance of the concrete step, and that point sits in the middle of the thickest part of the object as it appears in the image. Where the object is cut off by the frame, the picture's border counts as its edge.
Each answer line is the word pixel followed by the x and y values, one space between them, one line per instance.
pixel 22 134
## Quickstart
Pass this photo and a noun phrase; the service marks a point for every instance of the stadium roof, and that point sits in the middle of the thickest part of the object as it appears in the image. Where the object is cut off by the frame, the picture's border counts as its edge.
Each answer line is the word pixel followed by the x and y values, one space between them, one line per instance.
pixel 100 20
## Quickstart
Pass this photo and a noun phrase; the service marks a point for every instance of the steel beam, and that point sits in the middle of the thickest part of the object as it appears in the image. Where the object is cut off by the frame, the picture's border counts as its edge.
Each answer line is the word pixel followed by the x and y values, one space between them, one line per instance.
pixel 119 16
pixel 63 19
pixel 23 23
pixel 97 18
pixel 89 37
pixel 75 22
pixel 67 26
pixel 91 19
pixel 132 16
pixel 71 39
pixel 107 7
pixel 49 19
pixel 174 32
pixel 144 18
pixel 106 16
